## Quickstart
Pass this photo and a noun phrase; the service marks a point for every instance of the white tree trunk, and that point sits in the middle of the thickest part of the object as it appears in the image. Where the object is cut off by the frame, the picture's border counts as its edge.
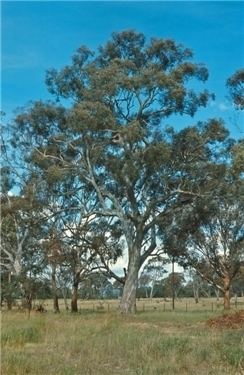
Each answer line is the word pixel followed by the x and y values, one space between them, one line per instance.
pixel 128 300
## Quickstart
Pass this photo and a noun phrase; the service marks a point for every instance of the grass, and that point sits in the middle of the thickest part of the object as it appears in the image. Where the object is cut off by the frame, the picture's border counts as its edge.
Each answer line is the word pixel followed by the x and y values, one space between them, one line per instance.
pixel 156 304
pixel 106 343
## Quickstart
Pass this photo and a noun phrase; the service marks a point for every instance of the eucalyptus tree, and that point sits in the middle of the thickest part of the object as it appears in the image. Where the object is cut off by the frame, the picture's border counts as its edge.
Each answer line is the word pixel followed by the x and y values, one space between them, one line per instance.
pixel 196 283
pixel 66 231
pixel 235 85
pixel 17 224
pixel 178 280
pixel 213 234
pixel 107 133
pixel 21 258
pixel 238 282
pixel 21 212
pixel 79 255
pixel 153 271
pixel 216 249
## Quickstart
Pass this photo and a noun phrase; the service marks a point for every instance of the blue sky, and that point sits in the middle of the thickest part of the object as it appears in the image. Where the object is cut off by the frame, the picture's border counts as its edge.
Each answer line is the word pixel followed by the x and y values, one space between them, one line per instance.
pixel 39 35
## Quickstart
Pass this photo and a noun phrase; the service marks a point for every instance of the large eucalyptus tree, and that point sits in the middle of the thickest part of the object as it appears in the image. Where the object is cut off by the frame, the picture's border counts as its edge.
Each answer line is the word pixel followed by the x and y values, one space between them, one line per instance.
pixel 107 137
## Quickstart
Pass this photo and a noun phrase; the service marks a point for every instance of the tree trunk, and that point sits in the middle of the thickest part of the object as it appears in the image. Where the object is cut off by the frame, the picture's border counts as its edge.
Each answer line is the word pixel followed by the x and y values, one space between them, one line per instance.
pixel 151 292
pixel 9 302
pixel 64 292
pixel 9 295
pixel 226 292
pixel 128 300
pixel 173 283
pixel 74 298
pixel 28 299
pixel 56 304
pixel 54 290
pixel 196 293
pixel 217 293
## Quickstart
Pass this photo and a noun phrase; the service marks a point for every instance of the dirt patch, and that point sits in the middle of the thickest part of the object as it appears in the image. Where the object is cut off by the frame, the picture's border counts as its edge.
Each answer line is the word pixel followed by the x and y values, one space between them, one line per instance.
pixel 234 320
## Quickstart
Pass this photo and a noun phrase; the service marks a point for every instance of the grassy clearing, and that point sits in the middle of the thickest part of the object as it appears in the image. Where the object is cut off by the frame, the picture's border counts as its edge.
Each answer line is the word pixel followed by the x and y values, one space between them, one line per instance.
pixel 105 343
pixel 156 304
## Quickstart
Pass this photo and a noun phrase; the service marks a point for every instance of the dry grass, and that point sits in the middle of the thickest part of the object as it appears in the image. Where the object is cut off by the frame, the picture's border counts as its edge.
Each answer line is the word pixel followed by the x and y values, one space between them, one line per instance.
pixel 106 343
pixel 145 304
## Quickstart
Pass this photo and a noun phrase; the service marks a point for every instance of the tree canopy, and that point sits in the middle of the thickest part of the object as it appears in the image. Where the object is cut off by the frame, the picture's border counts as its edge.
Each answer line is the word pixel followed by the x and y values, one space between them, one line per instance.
pixel 102 152
pixel 236 86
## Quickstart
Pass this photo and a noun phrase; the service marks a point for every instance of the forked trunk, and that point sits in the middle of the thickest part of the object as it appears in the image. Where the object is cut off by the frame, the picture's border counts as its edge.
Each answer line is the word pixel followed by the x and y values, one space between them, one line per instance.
pixel 226 292
pixel 128 300
pixel 74 298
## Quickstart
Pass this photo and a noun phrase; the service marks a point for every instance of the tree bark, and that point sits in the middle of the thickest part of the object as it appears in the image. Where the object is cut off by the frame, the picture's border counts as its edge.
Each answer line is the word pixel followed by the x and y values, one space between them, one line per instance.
pixel 128 300
pixel 226 292
pixel 196 293
pixel 54 290
pixel 28 299
pixel 56 304
pixel 9 295
pixel 152 290
pixel 74 298
pixel 146 292
pixel 173 283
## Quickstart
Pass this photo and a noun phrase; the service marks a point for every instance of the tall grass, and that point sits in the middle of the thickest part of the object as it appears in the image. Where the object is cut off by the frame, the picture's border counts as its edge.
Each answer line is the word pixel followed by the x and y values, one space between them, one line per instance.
pixel 103 343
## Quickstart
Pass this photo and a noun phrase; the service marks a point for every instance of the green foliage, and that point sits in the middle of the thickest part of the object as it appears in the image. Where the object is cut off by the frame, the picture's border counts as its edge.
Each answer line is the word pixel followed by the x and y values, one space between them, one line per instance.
pixel 100 168
pixel 238 158
pixel 236 86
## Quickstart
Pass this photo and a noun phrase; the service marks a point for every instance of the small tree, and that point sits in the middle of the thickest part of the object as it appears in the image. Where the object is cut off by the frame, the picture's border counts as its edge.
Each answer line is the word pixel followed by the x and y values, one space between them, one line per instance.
pixel 175 278
pixel 215 248
pixel 20 252
pixel 153 272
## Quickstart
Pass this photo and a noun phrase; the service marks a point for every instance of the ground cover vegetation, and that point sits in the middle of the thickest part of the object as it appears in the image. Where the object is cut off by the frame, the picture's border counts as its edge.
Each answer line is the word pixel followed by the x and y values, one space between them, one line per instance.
pixel 147 343
pixel 96 176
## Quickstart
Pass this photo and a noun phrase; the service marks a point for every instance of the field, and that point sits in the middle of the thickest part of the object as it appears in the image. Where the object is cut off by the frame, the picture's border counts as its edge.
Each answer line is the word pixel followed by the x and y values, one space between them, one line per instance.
pixel 99 341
